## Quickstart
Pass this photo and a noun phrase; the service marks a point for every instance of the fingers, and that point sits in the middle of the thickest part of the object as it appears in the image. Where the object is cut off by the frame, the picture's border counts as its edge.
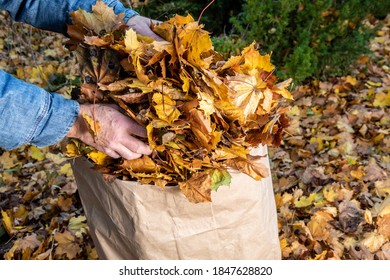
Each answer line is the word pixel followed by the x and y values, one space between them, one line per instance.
pixel 136 146
pixel 131 148
pixel 137 130
pixel 141 25
pixel 126 153
pixel 111 153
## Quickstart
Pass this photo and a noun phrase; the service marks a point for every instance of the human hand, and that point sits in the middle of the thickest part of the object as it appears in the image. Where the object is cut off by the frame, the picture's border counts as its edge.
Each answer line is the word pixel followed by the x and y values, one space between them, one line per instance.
pixel 141 25
pixel 115 136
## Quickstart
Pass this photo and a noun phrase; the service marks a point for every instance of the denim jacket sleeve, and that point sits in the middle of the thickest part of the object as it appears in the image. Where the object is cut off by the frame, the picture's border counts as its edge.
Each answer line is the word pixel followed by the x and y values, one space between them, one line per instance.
pixel 29 114
pixel 53 15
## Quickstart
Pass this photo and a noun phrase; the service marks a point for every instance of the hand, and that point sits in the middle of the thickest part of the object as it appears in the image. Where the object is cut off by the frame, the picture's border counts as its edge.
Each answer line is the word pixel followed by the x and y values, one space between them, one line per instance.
pixel 141 25
pixel 115 136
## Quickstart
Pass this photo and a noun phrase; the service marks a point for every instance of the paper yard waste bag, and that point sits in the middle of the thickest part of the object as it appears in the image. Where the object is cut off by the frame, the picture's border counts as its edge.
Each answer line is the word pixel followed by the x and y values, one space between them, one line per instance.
pixel 128 220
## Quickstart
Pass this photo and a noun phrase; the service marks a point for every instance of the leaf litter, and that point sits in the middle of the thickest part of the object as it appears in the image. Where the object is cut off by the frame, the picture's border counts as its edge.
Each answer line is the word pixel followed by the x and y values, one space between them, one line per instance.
pixel 330 173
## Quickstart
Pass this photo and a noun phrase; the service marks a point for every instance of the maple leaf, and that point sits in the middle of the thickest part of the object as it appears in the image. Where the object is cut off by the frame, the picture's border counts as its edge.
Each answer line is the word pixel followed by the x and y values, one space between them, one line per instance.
pixel 165 107
pixel 26 245
pixel 67 245
pixel 246 92
pixel 254 61
pixel 373 241
pixel 197 41
pixel 102 19
pixel 197 188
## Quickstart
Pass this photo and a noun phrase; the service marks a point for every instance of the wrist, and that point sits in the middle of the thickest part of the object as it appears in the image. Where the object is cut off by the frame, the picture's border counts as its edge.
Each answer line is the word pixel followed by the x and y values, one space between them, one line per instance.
pixel 78 128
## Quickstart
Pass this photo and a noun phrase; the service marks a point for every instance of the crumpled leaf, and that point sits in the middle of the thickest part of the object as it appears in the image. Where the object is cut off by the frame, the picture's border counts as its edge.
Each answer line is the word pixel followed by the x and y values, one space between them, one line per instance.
pixel 220 178
pixel 251 166
pixel 197 188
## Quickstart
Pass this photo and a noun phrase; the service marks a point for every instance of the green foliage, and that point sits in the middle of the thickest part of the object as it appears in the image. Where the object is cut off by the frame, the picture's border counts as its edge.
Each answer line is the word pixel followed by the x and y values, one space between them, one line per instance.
pixel 308 38
pixel 215 18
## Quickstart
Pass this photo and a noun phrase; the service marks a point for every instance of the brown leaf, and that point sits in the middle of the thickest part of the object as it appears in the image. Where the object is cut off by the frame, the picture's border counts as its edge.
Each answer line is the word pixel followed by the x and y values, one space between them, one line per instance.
pixel 197 188
pixel 251 166
pixel 67 245
pixel 350 216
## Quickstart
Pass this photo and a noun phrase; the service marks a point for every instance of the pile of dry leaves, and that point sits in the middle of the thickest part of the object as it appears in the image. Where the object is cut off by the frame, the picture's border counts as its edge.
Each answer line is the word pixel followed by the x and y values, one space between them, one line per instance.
pixel 202 114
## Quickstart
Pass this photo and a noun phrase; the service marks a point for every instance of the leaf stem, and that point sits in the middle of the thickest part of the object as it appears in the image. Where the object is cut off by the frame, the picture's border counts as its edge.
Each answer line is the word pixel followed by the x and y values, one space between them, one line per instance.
pixel 208 5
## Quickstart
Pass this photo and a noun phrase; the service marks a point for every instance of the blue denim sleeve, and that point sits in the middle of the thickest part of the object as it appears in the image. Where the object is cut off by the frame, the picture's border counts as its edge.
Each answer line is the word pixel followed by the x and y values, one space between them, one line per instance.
pixel 30 115
pixel 53 15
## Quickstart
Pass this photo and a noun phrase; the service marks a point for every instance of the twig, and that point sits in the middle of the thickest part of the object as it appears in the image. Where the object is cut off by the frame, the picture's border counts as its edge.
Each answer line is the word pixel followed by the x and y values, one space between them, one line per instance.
pixel 208 5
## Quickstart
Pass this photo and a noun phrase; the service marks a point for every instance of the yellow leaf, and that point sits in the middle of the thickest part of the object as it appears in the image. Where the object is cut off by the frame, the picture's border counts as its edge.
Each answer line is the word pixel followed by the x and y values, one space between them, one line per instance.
pixel 281 89
pixel 373 241
pixel 165 107
pixel 131 41
pixel 92 125
pixel 99 158
pixel 358 173
pixel 318 225
pixel 196 40
pixel 102 18
pixel 66 169
pixel 9 160
pixel 71 150
pixel 374 84
pixel 37 153
pixel 181 20
pixel 142 165
pixel 382 99
pixel 254 60
pixel 305 201
pixel 246 93
pixel 351 80
pixel 330 193
pixel 7 222
pixel 368 216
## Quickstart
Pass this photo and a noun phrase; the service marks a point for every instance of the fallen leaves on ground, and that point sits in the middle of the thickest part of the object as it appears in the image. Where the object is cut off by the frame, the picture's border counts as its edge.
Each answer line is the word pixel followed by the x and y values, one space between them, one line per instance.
pixel 41 214
pixel 331 174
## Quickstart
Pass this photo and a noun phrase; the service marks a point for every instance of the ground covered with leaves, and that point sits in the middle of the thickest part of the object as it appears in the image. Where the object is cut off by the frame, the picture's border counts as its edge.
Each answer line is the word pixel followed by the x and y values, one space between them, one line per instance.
pixel 330 173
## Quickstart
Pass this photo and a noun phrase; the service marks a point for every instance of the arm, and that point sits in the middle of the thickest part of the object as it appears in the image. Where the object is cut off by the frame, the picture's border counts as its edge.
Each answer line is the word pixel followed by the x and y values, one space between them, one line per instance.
pixel 53 15
pixel 30 115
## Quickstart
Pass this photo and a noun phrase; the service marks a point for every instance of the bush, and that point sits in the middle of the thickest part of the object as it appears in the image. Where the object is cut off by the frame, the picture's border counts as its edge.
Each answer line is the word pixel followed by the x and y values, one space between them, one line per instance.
pixel 309 38
pixel 215 18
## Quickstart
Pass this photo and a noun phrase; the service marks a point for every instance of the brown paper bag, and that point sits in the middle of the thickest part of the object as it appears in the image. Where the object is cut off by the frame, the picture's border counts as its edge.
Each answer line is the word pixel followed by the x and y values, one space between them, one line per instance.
pixel 128 220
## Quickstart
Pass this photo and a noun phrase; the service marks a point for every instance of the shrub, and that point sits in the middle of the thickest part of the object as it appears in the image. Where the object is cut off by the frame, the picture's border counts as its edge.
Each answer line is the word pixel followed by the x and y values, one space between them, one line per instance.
pixel 216 17
pixel 309 38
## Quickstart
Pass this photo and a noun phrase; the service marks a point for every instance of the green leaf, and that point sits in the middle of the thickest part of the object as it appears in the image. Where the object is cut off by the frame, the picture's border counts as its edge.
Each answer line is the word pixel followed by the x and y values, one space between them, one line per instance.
pixel 220 178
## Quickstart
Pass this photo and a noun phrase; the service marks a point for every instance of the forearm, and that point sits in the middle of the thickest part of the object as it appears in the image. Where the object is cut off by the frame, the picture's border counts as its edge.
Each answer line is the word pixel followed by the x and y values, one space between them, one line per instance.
pixel 30 115
pixel 53 15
